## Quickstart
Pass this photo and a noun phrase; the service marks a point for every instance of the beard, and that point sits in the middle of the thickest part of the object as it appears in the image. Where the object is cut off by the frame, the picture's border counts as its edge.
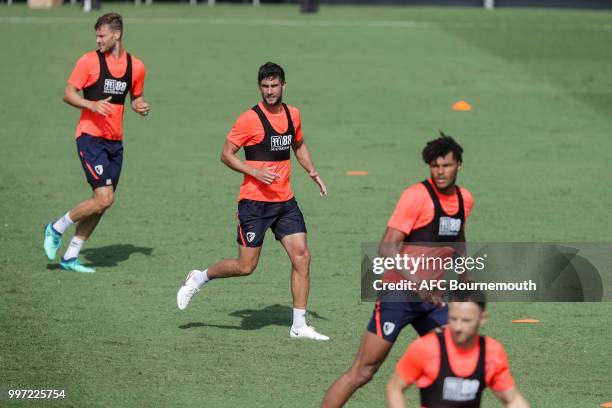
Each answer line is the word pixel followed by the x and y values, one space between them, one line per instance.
pixel 106 48
pixel 277 102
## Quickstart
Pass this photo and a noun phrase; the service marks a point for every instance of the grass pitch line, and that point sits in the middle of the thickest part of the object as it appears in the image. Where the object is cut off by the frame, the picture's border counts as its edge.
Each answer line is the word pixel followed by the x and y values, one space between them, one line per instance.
pixel 226 21
pixel 305 23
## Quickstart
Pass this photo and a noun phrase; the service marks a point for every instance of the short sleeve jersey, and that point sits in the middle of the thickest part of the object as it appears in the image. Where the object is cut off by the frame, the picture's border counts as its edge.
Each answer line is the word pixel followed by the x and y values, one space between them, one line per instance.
pixel 247 131
pixel 86 73
pixel 420 363
pixel 415 209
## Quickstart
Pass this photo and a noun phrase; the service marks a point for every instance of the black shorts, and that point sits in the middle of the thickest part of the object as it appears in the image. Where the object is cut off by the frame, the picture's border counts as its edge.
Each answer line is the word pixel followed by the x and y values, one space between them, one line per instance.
pixel 101 160
pixel 389 318
pixel 255 217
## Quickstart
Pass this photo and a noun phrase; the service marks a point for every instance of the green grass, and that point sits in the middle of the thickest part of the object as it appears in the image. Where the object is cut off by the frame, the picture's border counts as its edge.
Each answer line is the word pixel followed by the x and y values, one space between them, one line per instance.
pixel 373 85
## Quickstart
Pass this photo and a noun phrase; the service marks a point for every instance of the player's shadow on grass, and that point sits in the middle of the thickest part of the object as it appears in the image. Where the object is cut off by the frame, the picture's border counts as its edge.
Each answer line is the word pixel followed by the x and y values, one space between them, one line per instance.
pixel 252 319
pixel 110 255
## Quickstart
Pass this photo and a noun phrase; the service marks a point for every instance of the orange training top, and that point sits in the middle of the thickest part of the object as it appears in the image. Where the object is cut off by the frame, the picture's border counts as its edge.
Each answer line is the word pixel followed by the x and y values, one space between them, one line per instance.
pixel 420 363
pixel 86 73
pixel 415 209
pixel 248 130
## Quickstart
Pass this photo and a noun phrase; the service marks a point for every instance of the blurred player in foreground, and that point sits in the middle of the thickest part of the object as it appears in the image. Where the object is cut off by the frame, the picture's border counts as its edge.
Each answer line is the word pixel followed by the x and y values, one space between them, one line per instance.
pixel 453 368
pixel 432 211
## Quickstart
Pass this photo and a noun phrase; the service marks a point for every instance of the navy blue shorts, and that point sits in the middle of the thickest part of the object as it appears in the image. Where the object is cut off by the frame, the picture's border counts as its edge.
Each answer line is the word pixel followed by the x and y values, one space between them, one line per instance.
pixel 389 318
pixel 101 160
pixel 255 217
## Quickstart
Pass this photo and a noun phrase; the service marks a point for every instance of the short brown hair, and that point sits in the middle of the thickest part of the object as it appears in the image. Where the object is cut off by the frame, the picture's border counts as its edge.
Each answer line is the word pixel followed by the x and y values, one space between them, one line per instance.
pixel 113 20
pixel 474 296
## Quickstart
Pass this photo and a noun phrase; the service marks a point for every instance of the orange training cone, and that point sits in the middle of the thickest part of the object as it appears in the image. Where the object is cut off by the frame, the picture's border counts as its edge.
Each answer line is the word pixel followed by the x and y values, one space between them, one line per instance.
pixel 356 173
pixel 532 321
pixel 462 106
pixel 606 405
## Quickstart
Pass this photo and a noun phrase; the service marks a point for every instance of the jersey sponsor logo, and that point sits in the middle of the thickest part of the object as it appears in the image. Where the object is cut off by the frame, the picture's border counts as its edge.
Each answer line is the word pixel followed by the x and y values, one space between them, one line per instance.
pixel 388 328
pixel 114 87
pixel 279 143
pixel 449 226
pixel 99 169
pixel 250 236
pixel 460 389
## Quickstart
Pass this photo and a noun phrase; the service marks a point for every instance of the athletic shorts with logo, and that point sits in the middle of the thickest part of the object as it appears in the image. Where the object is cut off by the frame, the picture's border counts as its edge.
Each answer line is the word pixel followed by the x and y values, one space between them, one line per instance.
pixel 255 217
pixel 389 318
pixel 101 160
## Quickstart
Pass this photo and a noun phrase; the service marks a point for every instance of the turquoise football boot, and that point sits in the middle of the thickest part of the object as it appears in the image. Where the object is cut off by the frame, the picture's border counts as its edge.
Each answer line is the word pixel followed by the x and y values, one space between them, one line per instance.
pixel 53 240
pixel 73 264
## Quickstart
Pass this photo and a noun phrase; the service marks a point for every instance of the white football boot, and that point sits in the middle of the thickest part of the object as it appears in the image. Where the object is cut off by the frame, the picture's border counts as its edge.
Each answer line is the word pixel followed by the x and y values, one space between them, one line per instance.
pixel 187 291
pixel 307 332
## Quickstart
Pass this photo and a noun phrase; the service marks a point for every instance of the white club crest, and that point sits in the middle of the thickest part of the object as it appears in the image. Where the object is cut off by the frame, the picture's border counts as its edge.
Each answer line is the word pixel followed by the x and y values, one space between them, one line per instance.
pixel 99 169
pixel 388 328
pixel 250 236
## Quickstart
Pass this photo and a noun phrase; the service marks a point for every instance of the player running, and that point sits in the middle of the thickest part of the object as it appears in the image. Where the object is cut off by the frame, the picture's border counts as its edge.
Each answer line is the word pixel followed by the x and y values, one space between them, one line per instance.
pixel 267 132
pixel 453 368
pixel 432 211
pixel 106 77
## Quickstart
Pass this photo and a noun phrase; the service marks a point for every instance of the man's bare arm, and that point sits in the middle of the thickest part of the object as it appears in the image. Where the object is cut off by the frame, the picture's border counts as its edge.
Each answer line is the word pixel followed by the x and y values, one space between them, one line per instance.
pixel 73 97
pixel 395 392
pixel 228 157
pixel 140 106
pixel 512 398
pixel 302 154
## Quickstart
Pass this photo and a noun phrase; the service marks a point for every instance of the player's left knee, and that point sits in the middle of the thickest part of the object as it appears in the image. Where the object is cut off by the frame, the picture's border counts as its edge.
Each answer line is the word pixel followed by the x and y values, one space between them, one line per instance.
pixel 366 373
pixel 246 268
pixel 361 375
pixel 301 257
pixel 107 202
pixel 104 201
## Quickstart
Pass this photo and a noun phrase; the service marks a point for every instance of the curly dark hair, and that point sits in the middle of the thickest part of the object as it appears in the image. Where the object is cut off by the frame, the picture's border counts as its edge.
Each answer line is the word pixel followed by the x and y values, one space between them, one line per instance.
pixel 441 147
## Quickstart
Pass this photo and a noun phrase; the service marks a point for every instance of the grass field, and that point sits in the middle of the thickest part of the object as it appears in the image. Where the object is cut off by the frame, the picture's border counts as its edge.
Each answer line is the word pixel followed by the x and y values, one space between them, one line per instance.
pixel 373 84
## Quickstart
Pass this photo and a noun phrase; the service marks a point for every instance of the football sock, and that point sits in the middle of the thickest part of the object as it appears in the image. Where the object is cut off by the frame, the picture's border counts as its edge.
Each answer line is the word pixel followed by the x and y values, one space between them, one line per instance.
pixel 74 248
pixel 299 318
pixel 201 277
pixel 63 223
